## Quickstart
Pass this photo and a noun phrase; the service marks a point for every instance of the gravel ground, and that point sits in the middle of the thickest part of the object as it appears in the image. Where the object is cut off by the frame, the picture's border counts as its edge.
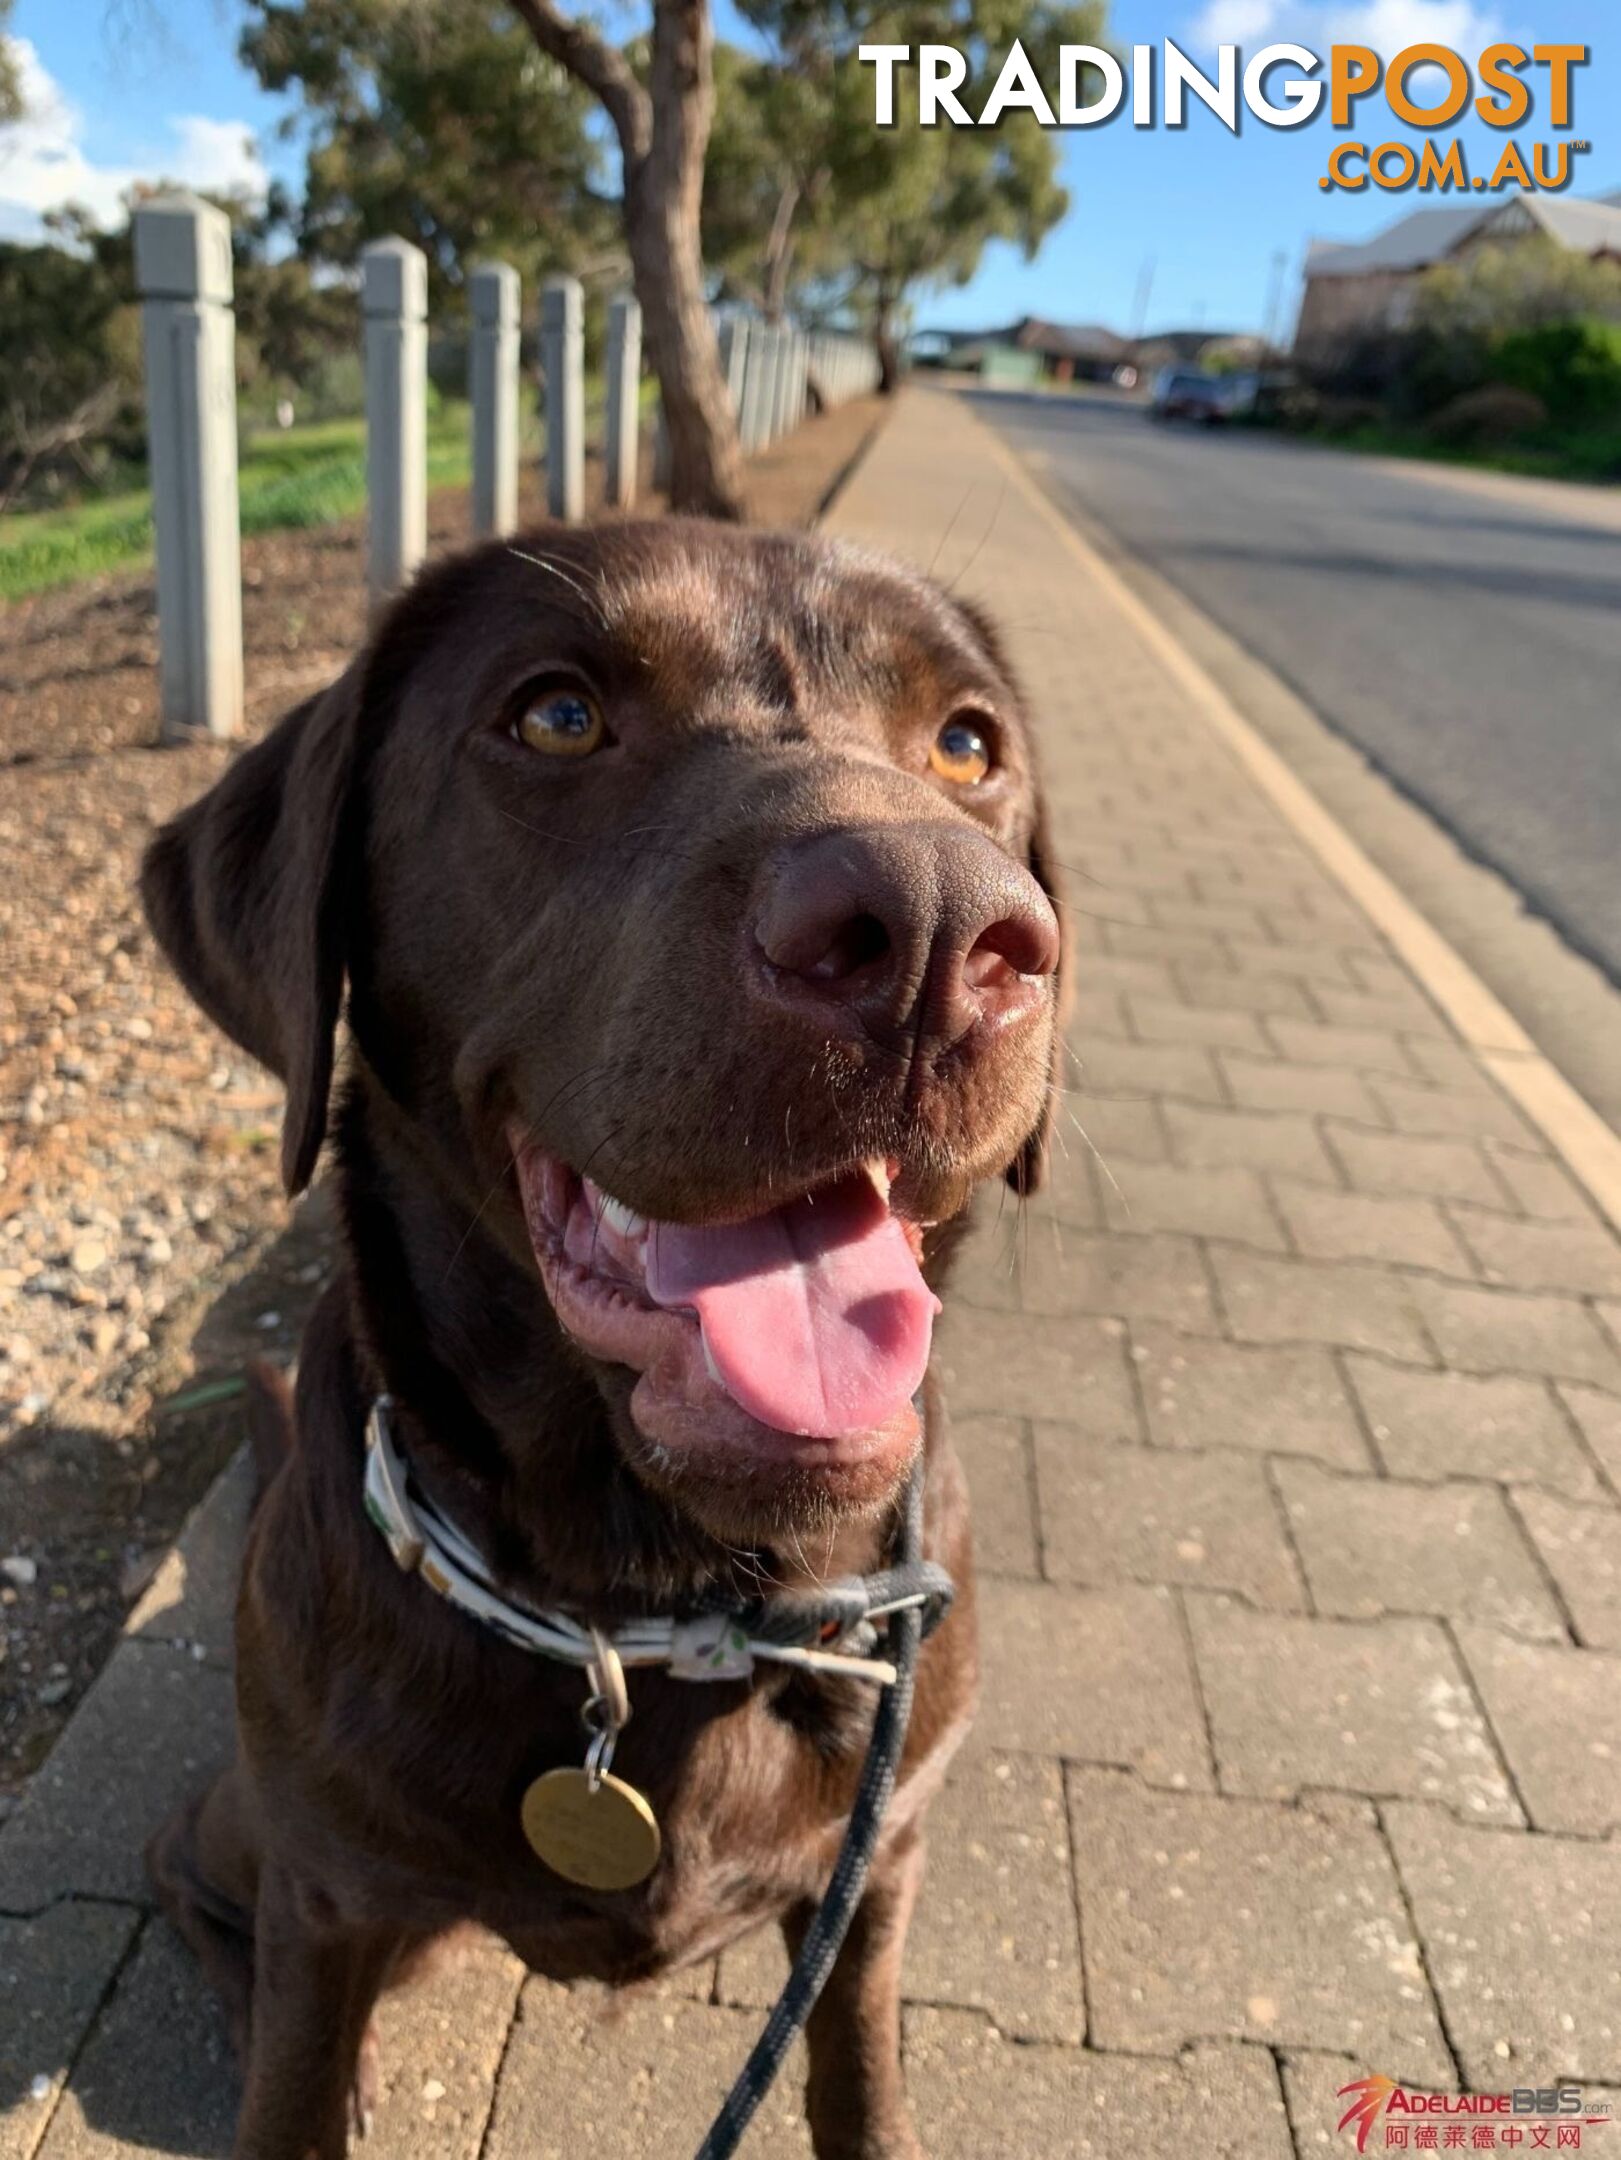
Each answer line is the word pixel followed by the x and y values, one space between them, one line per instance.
pixel 145 1249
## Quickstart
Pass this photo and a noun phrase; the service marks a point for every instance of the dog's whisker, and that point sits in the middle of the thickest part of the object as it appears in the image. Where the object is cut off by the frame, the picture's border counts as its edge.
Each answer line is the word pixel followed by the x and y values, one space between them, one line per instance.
pixel 556 570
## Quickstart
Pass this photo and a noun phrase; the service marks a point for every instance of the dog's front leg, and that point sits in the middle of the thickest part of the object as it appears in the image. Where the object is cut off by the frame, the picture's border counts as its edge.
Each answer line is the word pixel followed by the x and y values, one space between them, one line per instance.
pixel 854 2095
pixel 314 1984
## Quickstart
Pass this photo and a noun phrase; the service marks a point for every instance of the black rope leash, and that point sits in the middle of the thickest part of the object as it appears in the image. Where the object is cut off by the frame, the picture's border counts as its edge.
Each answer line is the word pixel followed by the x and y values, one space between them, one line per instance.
pixel 825 1936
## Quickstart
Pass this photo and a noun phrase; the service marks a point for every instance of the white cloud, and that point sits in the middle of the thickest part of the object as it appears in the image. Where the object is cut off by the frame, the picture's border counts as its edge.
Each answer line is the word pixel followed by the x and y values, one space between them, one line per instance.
pixel 1386 25
pixel 44 163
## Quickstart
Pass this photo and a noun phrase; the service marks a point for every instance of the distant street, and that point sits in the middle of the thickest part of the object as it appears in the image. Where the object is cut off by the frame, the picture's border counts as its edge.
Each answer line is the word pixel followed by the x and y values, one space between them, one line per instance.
pixel 1467 640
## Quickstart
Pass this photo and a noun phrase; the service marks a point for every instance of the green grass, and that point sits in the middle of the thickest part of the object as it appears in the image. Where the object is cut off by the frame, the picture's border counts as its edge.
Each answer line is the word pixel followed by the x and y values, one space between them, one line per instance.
pixel 306 476
pixel 1553 453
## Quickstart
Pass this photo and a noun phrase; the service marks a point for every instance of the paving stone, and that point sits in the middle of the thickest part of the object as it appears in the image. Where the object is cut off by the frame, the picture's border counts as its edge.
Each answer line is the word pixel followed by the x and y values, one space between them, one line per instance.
pixel 1095 1011
pixel 1582 1549
pixel 158 2073
pixel 1405 1164
pixel 1420 1108
pixel 1229 1203
pixel 1133 1514
pixel 996 1454
pixel 989 1266
pixel 1120 971
pixel 1068 1198
pixel 1288 1401
pixel 1327 1301
pixel 976 2097
pixel 1317 2099
pixel 1169 1020
pixel 624 2078
pixel 1399 1008
pixel 995 1927
pixel 1111 1127
pixel 1523 1937
pixel 1196 948
pixel 1245 1918
pixel 1558 1716
pixel 152 1730
pixel 1021 1365
pixel 192 1597
pixel 1451 1064
pixel 1098 1676
pixel 1138 1069
pixel 1148 1277
pixel 1275 956
pixel 1363 1050
pixel 1233 992
pixel 1599 1416
pixel 1330 1225
pixel 1446 1424
pixel 1217 918
pixel 1318 1090
pixel 1485 1330
pixel 54 1971
pixel 1540 1186
pixel 1247 1139
pixel 1584 1258
pixel 1376 1707
pixel 442 2042
pixel 1371 1546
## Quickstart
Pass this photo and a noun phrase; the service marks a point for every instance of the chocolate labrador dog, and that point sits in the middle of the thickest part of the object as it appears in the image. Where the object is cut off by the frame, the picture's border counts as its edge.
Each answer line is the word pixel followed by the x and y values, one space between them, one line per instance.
pixel 690 893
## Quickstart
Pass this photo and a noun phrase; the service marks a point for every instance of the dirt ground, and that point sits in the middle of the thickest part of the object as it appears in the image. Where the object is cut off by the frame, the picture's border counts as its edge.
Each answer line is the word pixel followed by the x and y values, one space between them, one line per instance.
pixel 145 1248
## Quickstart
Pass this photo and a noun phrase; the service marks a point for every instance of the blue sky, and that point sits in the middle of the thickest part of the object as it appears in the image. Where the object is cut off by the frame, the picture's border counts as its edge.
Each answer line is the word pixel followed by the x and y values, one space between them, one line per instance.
pixel 132 88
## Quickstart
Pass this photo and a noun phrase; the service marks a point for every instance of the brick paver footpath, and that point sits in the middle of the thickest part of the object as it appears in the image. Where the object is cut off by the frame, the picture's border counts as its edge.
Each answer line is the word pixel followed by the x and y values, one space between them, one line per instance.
pixel 1293 1417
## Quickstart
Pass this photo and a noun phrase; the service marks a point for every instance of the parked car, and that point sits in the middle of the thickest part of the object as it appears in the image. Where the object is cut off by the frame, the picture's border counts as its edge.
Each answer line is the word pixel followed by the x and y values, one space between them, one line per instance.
pixel 1182 393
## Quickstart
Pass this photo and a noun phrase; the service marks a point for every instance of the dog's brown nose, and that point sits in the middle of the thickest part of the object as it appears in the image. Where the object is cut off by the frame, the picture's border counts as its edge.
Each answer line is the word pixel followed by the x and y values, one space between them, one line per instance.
pixel 910 935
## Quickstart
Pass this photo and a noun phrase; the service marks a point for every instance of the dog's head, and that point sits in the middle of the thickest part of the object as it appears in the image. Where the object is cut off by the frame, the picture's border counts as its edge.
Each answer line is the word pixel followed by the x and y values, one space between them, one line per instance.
pixel 692 896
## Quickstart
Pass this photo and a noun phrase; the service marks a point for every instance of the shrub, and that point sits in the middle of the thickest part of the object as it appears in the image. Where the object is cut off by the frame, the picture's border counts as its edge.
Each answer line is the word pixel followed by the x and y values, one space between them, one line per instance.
pixel 1573 367
pixel 1488 418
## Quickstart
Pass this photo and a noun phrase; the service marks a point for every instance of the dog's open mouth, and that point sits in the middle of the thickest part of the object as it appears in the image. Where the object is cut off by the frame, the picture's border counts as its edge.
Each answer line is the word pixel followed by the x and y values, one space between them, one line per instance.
pixel 799 1335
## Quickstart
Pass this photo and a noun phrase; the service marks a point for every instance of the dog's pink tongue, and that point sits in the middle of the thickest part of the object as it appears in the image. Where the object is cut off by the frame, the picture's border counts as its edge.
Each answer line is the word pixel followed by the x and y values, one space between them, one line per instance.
pixel 815 1317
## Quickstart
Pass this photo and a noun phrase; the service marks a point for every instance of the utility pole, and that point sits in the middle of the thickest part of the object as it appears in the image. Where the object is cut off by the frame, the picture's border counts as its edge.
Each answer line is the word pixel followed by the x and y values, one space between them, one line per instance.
pixel 1139 307
pixel 1274 299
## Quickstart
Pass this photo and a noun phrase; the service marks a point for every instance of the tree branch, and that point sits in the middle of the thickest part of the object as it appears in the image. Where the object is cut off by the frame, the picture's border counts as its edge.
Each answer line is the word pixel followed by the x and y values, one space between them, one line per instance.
pixel 603 69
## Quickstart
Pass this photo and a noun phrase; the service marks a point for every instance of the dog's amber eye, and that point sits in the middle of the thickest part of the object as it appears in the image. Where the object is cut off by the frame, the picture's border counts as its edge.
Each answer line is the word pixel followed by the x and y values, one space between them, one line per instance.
pixel 961 753
pixel 563 723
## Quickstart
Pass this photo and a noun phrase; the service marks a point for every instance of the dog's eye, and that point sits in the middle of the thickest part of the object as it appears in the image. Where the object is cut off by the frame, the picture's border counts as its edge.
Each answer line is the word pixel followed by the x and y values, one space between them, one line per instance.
pixel 562 723
pixel 961 752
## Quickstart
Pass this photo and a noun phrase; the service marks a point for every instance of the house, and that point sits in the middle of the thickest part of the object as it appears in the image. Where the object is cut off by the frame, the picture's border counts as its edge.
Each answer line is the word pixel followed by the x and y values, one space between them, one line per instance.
pixel 1029 349
pixel 1370 285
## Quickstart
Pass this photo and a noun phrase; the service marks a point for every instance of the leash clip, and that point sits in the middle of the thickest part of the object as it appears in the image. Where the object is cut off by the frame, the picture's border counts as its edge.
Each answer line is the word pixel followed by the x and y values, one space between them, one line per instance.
pixel 606 1710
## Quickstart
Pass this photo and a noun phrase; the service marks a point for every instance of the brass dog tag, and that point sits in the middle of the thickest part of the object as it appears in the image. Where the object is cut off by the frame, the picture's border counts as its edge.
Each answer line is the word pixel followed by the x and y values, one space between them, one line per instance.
pixel 602 1835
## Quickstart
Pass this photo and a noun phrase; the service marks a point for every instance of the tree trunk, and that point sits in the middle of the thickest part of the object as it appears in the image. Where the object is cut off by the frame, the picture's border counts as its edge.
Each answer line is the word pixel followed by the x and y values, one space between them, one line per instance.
pixel 662 195
pixel 663 132
pixel 889 354
pixel 779 253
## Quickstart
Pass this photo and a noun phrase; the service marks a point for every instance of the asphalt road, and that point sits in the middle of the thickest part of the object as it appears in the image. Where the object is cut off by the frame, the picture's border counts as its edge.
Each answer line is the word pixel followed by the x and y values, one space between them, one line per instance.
pixel 1467 639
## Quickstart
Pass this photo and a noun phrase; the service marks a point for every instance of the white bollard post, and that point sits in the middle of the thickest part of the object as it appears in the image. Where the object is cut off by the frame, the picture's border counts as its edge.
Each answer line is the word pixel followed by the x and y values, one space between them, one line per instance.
pixel 183 270
pixel 562 360
pixel 494 295
pixel 394 294
pixel 734 359
pixel 780 345
pixel 756 380
pixel 624 398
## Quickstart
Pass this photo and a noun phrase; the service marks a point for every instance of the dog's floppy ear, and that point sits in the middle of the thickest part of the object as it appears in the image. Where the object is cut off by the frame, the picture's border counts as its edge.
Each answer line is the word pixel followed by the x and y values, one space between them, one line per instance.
pixel 1027 1172
pixel 244 892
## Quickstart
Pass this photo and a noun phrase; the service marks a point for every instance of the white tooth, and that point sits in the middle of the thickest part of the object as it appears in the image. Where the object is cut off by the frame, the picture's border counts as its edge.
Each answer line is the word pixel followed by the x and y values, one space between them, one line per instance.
pixel 878 1170
pixel 623 1221
pixel 710 1366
